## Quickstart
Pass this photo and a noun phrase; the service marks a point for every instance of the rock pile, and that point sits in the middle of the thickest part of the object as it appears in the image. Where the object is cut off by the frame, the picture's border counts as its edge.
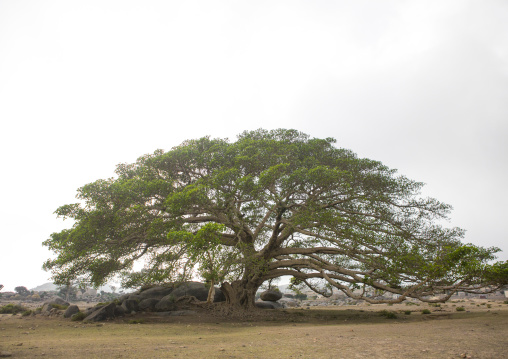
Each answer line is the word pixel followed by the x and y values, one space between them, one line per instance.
pixel 161 299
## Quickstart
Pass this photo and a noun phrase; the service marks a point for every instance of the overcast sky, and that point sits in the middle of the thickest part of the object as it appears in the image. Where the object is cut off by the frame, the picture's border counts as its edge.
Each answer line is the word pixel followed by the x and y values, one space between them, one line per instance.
pixel 84 85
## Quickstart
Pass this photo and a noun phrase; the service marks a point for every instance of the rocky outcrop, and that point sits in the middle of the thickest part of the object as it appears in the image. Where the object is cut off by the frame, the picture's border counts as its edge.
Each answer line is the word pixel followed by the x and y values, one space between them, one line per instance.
pixel 148 304
pixel 157 299
pixel 154 292
pixel 194 289
pixel 166 304
pixel 54 303
pixel 103 313
pixel 130 305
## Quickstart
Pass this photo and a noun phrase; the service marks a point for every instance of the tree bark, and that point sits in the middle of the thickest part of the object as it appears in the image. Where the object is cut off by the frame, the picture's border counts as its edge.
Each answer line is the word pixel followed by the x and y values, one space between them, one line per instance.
pixel 211 292
pixel 240 293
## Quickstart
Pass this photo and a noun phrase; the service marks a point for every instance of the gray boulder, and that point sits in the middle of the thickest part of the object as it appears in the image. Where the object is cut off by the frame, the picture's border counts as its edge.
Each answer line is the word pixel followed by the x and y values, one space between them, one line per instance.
pixel 148 305
pixel 130 305
pixel 198 290
pixel 71 310
pixel 194 289
pixel 90 310
pixel 166 304
pixel 271 295
pixel 136 297
pixel 119 311
pixel 155 292
pixel 103 313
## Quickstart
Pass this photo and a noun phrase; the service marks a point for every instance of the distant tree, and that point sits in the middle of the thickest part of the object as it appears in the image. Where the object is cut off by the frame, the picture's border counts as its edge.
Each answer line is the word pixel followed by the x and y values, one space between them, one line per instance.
pixel 280 203
pixel 21 290
pixel 68 291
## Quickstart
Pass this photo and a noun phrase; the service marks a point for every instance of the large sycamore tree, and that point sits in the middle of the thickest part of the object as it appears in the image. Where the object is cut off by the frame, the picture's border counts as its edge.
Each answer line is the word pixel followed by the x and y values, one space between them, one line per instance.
pixel 273 203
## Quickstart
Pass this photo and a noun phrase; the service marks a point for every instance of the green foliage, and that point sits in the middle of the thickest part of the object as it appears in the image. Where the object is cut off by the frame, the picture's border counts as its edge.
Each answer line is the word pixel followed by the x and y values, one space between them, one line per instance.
pixel 78 317
pixel 407 312
pixel 269 204
pixel 59 306
pixel 26 313
pixel 460 309
pixel 12 309
pixel 425 311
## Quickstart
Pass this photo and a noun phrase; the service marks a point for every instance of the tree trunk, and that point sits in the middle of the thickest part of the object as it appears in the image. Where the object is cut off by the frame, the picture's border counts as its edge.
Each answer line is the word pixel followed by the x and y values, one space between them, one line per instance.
pixel 211 292
pixel 240 293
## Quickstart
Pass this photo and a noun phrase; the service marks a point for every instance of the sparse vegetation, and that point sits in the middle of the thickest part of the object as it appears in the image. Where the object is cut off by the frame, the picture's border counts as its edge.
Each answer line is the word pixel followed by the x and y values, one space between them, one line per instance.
pixel 407 312
pixel 387 314
pixel 460 309
pixel 79 316
pixel 425 311
pixel 12 309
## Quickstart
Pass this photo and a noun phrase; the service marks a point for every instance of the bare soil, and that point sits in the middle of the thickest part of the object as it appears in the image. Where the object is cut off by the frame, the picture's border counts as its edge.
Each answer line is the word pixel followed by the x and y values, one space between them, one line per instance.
pixel 480 331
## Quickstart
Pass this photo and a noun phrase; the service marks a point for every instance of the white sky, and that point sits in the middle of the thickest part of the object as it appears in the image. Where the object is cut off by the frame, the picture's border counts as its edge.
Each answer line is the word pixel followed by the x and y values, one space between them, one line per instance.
pixel 84 85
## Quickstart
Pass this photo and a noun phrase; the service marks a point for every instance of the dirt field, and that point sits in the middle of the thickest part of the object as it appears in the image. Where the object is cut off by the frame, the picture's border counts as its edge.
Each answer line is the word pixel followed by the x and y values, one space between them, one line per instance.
pixel 480 331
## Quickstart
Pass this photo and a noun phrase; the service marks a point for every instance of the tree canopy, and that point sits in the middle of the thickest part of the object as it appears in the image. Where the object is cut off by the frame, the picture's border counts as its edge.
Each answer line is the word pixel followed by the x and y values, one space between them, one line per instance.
pixel 270 204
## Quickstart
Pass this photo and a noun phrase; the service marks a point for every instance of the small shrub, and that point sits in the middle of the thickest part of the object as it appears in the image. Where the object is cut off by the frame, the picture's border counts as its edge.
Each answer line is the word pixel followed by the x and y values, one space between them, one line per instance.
pixel 387 314
pixel 425 311
pixel 436 305
pixel 460 309
pixel 505 302
pixel 59 306
pixel 79 316
pixel 489 305
pixel 407 312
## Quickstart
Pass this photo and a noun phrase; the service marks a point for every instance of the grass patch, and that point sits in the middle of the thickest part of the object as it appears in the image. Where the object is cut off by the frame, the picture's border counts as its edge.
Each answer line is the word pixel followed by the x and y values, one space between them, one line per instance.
pixel 460 309
pixel 425 311
pixel 407 312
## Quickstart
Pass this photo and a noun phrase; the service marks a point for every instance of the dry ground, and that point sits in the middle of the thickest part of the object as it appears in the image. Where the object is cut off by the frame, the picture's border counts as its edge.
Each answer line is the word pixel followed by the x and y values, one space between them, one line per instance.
pixel 334 332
